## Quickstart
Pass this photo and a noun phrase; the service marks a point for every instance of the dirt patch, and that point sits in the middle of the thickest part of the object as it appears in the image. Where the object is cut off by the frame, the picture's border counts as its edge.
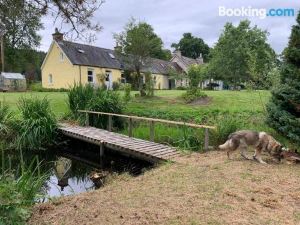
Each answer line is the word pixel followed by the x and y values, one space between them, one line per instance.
pixel 199 189
pixel 202 101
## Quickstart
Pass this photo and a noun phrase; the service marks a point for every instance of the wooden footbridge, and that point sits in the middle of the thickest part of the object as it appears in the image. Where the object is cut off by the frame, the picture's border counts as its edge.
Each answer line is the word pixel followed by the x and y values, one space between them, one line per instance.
pixel 106 139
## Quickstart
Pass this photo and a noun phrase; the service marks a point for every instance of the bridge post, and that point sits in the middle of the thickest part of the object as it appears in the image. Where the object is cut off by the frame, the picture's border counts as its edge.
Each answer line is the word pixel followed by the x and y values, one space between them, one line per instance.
pixel 101 153
pixel 151 130
pixel 109 122
pixel 87 121
pixel 206 139
pixel 130 127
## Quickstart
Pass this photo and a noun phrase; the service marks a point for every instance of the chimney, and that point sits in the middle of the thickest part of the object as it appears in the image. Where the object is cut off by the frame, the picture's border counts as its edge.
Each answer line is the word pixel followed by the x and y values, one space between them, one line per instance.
pixel 57 36
pixel 178 53
pixel 200 59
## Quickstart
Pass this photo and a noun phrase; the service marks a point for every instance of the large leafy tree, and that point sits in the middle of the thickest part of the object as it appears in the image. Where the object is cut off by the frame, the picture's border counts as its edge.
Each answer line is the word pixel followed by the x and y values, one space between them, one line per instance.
pixel 138 44
pixel 242 54
pixel 192 47
pixel 22 20
pixel 284 106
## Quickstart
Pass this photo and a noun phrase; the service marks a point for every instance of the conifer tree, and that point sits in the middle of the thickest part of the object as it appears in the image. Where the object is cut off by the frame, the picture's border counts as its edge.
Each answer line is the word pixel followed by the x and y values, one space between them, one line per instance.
pixel 284 106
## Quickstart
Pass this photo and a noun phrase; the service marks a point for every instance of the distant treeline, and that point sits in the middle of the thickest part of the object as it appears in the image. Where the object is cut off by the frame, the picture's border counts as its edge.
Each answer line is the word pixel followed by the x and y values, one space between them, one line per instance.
pixel 25 61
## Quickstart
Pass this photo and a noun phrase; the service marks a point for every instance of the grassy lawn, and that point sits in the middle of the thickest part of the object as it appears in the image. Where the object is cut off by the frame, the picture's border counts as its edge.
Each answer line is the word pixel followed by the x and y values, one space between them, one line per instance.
pixel 165 101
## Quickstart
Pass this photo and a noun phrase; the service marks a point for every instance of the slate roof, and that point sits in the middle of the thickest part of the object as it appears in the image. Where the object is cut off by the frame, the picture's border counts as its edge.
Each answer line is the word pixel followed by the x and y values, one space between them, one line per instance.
pixel 189 61
pixel 14 76
pixel 87 55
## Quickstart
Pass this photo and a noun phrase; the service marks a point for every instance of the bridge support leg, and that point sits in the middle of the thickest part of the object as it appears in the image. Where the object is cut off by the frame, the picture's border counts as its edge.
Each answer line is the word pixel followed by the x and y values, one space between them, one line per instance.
pixel 151 130
pixel 101 153
pixel 206 139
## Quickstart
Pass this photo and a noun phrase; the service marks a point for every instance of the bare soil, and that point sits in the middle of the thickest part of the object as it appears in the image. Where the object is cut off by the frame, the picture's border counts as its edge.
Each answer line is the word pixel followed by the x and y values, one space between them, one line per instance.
pixel 198 189
pixel 202 101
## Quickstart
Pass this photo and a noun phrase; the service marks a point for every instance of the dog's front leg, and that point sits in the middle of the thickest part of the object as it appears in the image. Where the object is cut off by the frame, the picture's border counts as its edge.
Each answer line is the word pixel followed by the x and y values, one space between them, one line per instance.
pixel 257 156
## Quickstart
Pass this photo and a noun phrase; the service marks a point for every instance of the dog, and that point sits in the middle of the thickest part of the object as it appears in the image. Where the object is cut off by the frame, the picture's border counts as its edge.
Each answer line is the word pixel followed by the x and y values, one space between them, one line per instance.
pixel 261 141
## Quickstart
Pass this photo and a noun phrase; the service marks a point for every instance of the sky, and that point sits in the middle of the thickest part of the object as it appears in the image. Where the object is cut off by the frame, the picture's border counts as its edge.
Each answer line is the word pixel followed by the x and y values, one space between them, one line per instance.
pixel 171 18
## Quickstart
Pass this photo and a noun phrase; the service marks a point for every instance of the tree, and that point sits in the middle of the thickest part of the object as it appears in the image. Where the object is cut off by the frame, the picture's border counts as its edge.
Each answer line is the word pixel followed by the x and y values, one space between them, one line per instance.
pixel 192 47
pixel 136 45
pixel 196 75
pixel 242 54
pixel 284 106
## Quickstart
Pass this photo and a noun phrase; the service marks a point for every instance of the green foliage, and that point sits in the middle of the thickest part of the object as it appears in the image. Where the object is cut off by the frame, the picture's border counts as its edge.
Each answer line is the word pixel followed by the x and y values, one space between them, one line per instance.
pixel 127 91
pixel 116 85
pixel 242 54
pixel 37 87
pixel 37 125
pixel 196 74
pixel 193 94
pixel 284 107
pixel 192 47
pixel 18 195
pixel 105 101
pixel 149 82
pixel 136 45
pixel 85 97
pixel 225 126
pixel 5 120
pixel 79 97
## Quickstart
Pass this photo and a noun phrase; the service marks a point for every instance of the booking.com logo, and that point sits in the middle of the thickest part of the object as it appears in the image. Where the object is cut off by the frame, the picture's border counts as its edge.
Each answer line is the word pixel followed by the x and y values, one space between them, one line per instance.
pixel 256 12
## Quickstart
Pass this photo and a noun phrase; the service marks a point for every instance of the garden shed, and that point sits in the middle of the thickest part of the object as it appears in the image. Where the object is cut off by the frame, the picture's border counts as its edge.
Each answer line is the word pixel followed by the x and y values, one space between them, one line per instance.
pixel 12 82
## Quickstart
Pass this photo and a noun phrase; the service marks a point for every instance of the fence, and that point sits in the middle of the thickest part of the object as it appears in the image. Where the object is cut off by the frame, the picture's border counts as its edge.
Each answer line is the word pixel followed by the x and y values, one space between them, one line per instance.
pixel 152 122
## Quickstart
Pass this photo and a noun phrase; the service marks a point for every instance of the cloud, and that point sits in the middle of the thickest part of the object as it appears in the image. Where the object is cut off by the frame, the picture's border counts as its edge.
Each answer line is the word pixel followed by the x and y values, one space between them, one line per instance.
pixel 171 18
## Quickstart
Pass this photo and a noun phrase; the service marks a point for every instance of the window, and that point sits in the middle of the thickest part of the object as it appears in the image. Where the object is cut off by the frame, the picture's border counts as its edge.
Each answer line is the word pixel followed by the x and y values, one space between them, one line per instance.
pixel 61 56
pixel 90 76
pixel 107 74
pixel 123 79
pixel 111 55
pixel 50 79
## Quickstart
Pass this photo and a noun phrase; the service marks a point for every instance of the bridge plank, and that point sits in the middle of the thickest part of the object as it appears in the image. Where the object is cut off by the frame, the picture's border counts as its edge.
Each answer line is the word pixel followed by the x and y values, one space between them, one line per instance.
pixel 147 150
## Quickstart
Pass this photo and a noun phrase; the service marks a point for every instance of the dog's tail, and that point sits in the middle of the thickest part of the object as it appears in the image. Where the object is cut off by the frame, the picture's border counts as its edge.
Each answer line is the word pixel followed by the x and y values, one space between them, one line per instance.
pixel 226 145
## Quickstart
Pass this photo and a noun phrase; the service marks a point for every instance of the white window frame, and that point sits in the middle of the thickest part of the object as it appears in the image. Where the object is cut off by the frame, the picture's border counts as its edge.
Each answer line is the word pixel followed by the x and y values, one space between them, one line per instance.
pixel 61 56
pixel 50 78
pixel 93 76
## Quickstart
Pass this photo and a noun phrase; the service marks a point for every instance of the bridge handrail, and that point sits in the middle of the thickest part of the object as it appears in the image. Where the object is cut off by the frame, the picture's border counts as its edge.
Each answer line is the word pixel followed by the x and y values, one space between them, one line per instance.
pixel 149 119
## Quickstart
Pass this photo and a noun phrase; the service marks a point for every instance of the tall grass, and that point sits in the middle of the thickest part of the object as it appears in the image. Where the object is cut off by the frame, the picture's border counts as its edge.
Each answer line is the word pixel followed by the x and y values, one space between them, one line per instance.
pixel 85 97
pixel 5 120
pixel 37 125
pixel 79 97
pixel 17 195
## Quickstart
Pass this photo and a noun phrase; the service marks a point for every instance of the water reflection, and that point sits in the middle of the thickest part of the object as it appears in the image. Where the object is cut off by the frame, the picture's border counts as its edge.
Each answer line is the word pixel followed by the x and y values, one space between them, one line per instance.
pixel 76 167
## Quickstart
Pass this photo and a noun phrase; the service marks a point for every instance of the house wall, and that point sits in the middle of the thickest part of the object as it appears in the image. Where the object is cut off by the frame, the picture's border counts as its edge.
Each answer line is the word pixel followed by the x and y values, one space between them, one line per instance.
pixel 162 81
pixel 65 74
pixel 98 73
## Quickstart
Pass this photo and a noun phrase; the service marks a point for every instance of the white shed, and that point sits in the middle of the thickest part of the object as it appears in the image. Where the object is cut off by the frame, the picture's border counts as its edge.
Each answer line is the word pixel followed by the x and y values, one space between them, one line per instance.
pixel 12 81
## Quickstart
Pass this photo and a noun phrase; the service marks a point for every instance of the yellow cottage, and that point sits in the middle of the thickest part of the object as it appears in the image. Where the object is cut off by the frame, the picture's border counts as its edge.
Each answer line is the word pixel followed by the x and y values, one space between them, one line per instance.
pixel 67 63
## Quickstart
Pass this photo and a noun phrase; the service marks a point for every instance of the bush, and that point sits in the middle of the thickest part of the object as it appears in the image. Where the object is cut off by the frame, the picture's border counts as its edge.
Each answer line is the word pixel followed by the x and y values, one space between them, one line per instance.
pixel 115 85
pixel 18 195
pixel 225 126
pixel 5 120
pixel 37 87
pixel 193 94
pixel 37 126
pixel 181 88
pixel 79 97
pixel 127 90
pixel 105 101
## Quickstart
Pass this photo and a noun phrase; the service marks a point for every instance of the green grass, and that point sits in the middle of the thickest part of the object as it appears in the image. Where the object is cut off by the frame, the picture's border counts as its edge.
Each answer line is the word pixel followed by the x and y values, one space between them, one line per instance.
pixel 164 101
pixel 58 100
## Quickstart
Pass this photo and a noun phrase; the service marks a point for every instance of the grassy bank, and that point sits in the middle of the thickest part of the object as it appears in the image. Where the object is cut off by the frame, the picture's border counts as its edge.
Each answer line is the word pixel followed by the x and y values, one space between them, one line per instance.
pixel 199 189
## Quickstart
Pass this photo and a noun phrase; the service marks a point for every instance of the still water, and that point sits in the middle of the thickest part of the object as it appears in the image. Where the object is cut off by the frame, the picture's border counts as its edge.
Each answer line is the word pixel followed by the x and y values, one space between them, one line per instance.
pixel 75 167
